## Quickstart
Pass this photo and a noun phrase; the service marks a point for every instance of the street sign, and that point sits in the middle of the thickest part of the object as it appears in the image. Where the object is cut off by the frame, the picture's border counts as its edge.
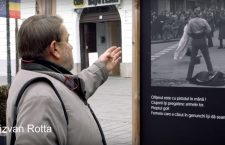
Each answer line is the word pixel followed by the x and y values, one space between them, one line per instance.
pixel 93 3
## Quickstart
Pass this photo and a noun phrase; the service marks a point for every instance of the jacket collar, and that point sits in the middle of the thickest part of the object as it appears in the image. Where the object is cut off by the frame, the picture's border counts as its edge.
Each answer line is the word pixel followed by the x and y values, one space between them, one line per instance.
pixel 73 82
pixel 43 65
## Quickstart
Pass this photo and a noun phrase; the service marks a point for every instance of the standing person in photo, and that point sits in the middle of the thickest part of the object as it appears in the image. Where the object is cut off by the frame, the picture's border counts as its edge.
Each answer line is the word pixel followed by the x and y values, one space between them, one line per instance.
pixel 197 29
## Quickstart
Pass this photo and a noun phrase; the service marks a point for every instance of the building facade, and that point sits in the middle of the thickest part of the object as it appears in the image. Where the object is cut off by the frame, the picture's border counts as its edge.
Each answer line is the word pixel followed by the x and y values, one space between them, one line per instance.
pixel 93 28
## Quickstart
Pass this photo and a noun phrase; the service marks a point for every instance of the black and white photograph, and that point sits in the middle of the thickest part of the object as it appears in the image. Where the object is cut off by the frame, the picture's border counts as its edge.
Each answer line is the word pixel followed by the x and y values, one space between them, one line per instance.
pixel 187 47
pixel 183 103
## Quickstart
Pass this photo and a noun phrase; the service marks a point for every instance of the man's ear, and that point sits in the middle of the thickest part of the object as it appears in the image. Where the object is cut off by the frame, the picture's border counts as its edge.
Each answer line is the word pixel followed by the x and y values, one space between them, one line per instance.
pixel 54 50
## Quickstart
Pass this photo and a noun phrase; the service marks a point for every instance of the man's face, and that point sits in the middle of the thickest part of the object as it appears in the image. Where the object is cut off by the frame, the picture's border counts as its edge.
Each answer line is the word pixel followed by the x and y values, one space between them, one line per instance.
pixel 65 50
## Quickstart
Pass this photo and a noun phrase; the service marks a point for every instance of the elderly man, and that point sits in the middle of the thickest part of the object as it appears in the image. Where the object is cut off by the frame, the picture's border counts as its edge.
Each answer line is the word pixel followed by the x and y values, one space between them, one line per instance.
pixel 198 28
pixel 47 104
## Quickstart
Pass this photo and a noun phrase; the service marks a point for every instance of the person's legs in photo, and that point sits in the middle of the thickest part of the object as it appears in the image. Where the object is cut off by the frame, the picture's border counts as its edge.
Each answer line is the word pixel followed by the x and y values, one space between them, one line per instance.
pixel 210 42
pixel 205 53
pixel 192 63
pixel 221 44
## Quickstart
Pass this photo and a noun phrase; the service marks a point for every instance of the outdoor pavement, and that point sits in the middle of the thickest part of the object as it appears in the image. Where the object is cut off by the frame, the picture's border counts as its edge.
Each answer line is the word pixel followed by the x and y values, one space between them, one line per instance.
pixel 112 105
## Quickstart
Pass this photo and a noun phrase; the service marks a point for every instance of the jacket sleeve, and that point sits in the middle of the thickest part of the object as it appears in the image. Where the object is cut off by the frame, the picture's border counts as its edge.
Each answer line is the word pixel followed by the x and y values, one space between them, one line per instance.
pixel 40 117
pixel 93 77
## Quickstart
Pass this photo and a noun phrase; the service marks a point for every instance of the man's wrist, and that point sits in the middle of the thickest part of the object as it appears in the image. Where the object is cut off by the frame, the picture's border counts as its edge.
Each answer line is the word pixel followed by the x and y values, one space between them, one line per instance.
pixel 103 66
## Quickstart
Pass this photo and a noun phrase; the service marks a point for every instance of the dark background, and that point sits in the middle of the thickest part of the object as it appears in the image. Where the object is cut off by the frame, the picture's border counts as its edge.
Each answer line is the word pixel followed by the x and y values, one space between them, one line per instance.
pixel 161 130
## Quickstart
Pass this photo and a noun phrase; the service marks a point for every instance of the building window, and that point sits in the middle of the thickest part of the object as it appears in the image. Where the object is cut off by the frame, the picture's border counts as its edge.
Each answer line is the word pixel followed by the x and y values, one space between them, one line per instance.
pixel 46 7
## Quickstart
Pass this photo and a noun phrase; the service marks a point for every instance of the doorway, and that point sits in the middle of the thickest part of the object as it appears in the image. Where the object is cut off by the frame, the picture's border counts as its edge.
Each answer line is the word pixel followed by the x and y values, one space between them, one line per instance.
pixel 100 28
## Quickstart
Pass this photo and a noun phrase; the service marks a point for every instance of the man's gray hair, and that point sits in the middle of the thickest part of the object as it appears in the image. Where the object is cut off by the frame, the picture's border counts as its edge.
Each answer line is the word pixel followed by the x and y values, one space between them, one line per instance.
pixel 36 34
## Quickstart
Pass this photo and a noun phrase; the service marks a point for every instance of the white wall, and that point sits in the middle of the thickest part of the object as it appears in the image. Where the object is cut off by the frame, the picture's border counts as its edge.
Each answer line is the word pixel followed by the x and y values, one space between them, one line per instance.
pixel 65 9
pixel 125 10
pixel 27 9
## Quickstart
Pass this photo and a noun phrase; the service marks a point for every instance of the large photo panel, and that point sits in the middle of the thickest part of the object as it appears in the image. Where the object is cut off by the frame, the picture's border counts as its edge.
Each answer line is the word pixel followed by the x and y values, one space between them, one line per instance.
pixel 183 101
